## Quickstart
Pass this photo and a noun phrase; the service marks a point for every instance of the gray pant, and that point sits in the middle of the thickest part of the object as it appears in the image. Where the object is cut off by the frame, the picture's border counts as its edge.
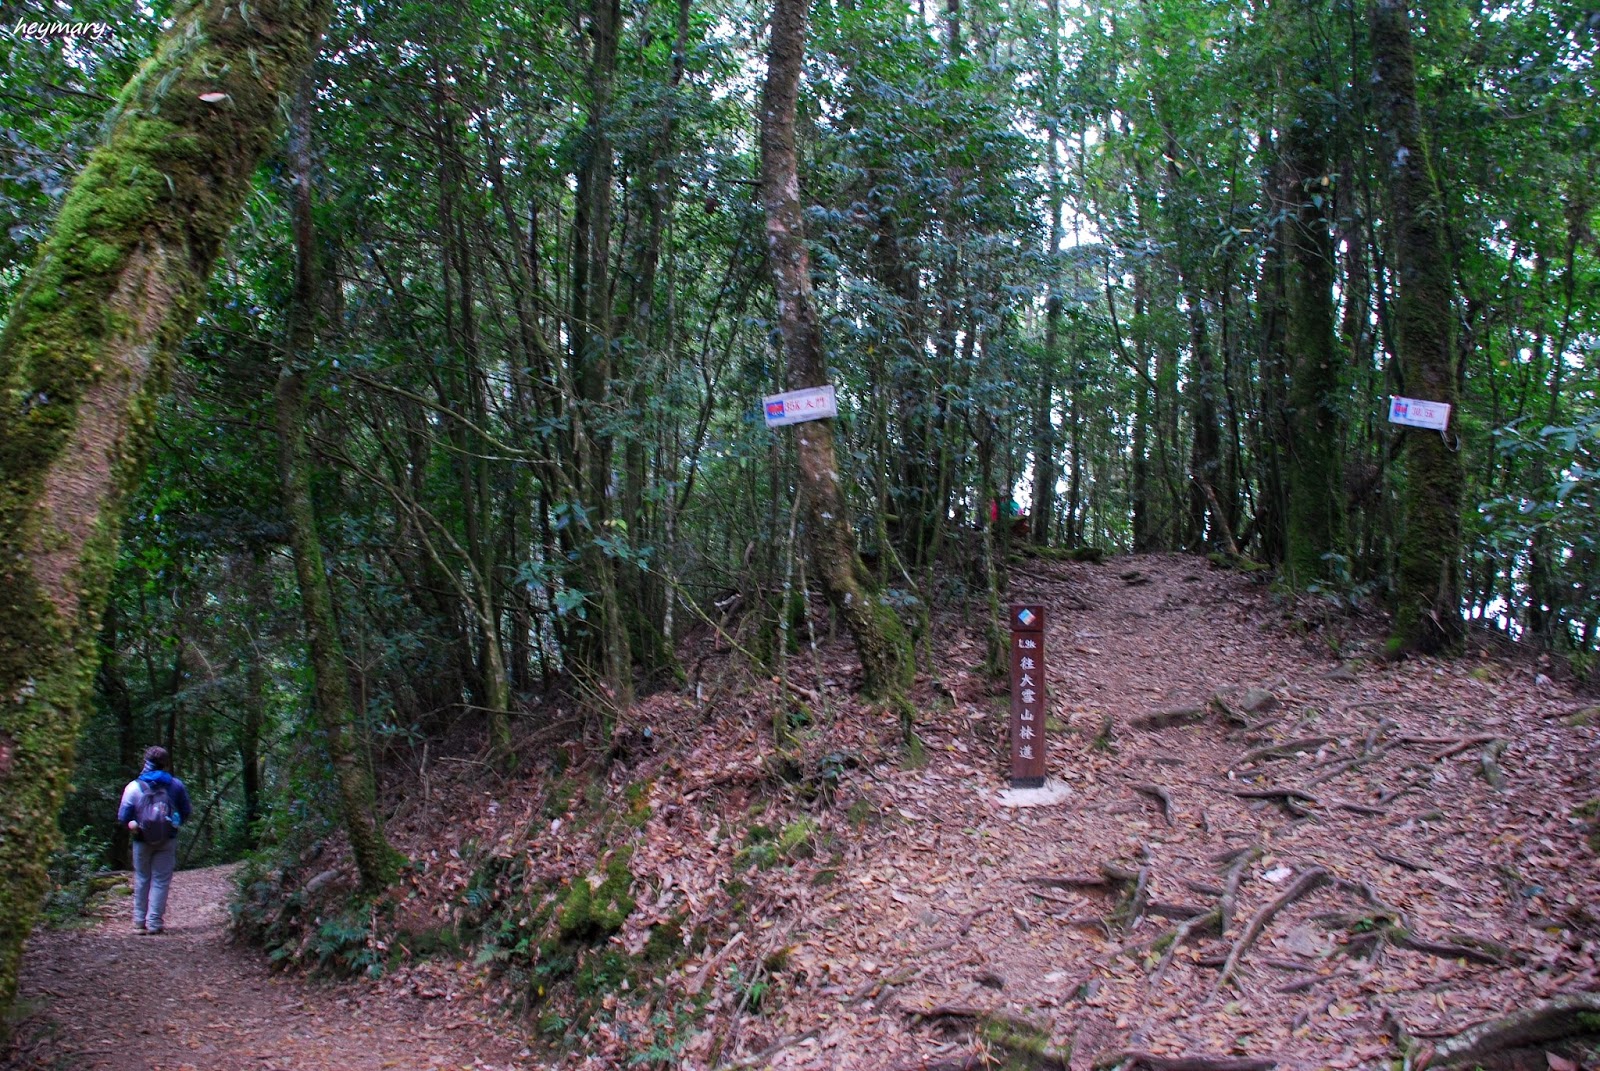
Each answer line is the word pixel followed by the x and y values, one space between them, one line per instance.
pixel 152 875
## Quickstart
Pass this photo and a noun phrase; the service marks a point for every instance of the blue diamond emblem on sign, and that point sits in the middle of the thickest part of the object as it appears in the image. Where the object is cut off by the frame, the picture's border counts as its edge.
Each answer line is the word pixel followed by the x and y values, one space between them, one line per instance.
pixel 1026 616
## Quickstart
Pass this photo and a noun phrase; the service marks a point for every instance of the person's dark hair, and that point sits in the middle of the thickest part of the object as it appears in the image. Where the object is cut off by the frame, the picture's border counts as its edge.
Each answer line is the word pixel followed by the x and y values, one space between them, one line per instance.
pixel 156 757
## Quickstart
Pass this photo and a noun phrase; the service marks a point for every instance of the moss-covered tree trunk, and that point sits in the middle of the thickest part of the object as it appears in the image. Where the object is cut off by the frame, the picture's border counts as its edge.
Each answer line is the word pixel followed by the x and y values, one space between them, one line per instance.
pixel 331 705
pixel 1428 600
pixel 85 353
pixel 1314 472
pixel 882 642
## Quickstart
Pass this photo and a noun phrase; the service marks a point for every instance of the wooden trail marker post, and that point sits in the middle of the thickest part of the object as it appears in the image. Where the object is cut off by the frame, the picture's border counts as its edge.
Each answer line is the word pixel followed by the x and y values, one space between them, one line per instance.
pixel 1027 695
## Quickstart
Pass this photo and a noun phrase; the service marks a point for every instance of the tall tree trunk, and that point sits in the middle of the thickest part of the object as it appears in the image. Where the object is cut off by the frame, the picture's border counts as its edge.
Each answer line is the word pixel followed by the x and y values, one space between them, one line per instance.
pixel 252 726
pixel 1205 454
pixel 642 592
pixel 883 645
pixel 85 353
pixel 1273 435
pixel 114 686
pixel 1314 450
pixel 608 650
pixel 1044 433
pixel 1143 415
pixel 331 705
pixel 1428 600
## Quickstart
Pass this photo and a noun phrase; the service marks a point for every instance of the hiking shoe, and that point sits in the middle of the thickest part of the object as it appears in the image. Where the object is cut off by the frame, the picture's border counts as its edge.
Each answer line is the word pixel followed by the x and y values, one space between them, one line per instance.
pixel 138 927
pixel 152 933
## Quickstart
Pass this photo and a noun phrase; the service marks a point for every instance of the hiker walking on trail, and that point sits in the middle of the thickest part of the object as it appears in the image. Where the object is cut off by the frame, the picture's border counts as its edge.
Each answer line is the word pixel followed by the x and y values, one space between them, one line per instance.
pixel 154 805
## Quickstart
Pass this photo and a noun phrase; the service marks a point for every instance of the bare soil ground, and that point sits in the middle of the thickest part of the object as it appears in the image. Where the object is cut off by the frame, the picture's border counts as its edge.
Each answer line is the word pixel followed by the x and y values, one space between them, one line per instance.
pixel 103 998
pixel 1363 860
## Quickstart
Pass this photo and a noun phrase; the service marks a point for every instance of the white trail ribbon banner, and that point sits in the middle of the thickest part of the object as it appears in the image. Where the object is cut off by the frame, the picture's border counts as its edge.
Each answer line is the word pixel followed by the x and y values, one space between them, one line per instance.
pixel 798 406
pixel 1418 413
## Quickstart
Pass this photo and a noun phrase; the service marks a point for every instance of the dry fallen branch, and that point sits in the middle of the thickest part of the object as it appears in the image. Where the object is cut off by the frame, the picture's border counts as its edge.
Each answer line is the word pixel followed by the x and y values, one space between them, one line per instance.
pixel 1568 1016
pixel 1309 881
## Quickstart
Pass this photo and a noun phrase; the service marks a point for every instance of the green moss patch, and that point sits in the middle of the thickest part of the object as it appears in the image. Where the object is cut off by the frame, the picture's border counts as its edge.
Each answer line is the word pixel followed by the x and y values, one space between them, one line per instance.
pixel 596 906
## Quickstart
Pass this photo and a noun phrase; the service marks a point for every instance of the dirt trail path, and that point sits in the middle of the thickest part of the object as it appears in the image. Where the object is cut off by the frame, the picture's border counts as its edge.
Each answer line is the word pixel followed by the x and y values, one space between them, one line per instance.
pixel 1432 813
pixel 217 1007
pixel 955 907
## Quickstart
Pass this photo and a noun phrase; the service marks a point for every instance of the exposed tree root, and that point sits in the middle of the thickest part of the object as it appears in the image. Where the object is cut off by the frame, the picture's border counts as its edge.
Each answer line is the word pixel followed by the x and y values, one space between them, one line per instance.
pixel 1456 747
pixel 1574 1015
pixel 1026 1043
pixel 1111 876
pixel 1135 1061
pixel 1284 750
pixel 1218 918
pixel 1160 795
pixel 1133 910
pixel 1309 881
pixel 1230 887
pixel 761 1058
pixel 1166 719
pixel 1360 808
pixel 1347 765
pixel 1489 760
pixel 1179 935
pixel 1400 861
pixel 1174 911
pixel 1473 950
pixel 1275 792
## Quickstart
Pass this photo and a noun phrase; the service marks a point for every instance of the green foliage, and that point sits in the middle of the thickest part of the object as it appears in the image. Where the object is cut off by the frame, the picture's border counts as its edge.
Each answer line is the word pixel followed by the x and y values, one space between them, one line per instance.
pixel 346 943
pixel 78 878
pixel 765 847
pixel 1552 511
pixel 1024 237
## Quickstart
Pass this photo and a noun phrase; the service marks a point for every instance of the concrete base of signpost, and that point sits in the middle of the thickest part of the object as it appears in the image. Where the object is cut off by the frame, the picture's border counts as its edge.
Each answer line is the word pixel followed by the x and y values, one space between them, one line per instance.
pixel 1054 791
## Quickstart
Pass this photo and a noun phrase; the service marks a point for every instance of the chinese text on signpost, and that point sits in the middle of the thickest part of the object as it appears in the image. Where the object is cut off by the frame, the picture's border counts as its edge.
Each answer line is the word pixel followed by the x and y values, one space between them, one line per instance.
pixel 1027 695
